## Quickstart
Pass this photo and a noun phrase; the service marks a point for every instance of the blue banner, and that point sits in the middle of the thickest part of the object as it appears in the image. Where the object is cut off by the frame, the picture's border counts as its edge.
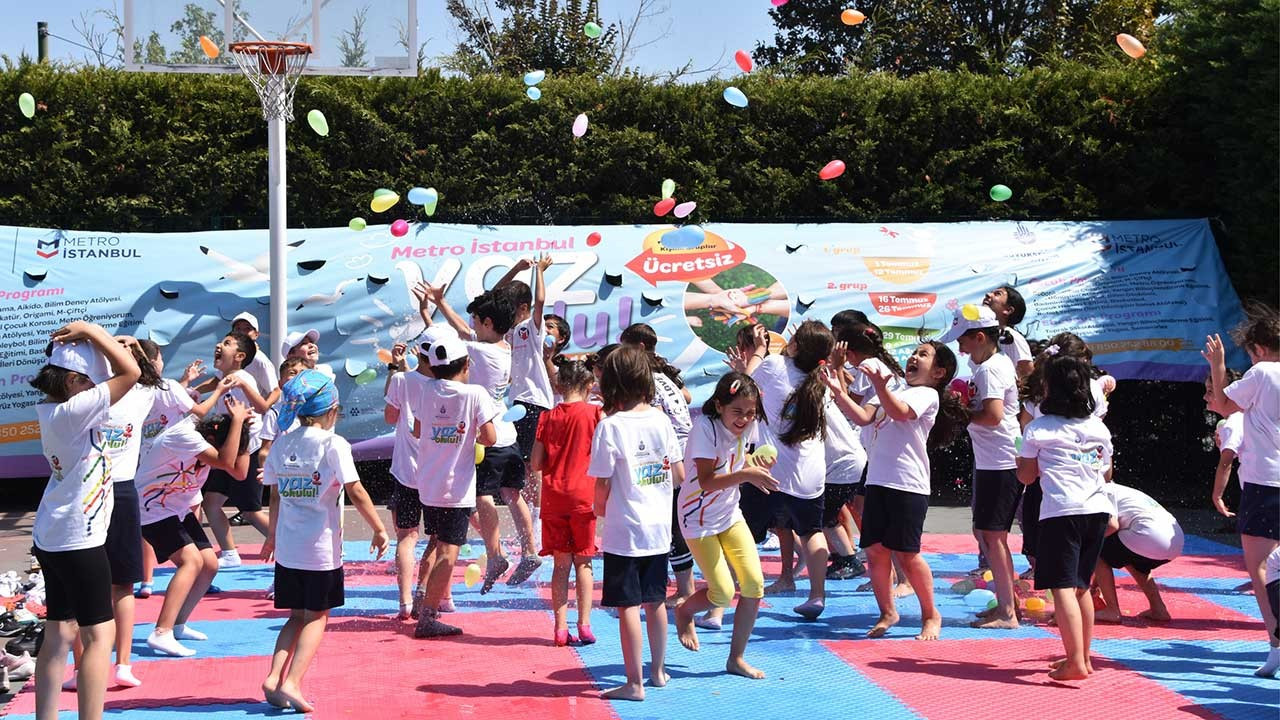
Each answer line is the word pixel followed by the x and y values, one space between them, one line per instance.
pixel 1143 293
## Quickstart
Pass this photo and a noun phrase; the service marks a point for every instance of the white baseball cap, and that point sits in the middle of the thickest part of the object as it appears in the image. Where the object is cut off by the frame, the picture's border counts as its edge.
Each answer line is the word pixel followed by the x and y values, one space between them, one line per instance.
pixel 445 350
pixel 295 338
pixel 970 317
pixel 82 357
pixel 247 317
pixel 434 334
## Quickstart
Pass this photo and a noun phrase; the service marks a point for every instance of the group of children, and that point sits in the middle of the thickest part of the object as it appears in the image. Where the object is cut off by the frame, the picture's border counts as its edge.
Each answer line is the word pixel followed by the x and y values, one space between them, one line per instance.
pixel 792 444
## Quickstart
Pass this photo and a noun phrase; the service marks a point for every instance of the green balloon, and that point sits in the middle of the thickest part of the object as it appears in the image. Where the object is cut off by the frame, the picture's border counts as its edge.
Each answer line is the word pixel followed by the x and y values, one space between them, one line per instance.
pixel 357 224
pixel 668 188
pixel 592 30
pixel 366 377
pixel 1000 193
pixel 27 104
pixel 317 121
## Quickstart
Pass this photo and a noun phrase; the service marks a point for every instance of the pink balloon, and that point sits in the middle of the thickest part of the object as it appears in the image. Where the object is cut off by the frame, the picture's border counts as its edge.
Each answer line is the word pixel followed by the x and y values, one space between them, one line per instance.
pixel 664 206
pixel 399 228
pixel 683 209
pixel 832 170
pixel 580 125
pixel 744 60
pixel 778 3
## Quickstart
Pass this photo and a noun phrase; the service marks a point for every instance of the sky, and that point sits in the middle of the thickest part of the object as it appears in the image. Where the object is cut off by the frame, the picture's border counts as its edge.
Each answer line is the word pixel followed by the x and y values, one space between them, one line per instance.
pixel 706 32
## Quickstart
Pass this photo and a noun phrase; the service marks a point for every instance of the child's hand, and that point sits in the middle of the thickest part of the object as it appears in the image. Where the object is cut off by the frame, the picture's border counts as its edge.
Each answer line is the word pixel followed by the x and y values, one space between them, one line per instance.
pixel 878 377
pixel 230 382
pixel 544 262
pixel 238 411
pixel 268 550
pixel 736 360
pixel 760 477
pixel 760 334
pixel 379 543
pixel 1221 507
pixel 128 341
pixel 1213 351
pixel 838 355
pixel 75 330
pixel 397 355
pixel 193 371
pixel 833 379
pixel 522 264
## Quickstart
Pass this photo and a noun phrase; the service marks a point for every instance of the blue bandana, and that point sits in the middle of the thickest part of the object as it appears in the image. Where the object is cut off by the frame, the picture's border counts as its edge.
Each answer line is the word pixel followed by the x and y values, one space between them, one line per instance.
pixel 309 394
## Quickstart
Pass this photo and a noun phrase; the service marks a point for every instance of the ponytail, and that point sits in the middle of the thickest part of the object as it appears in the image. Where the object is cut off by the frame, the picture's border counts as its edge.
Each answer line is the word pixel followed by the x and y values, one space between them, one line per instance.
pixel 805 407
pixel 868 339
pixel 953 416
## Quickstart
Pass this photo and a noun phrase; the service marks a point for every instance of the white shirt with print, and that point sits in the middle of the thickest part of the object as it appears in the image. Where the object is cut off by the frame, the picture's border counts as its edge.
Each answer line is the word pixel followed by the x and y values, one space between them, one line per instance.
pixel 1258 395
pixel 169 403
pixel 899 457
pixel 1073 455
pixel 529 380
pixel 801 469
pixel 264 376
pixel 170 476
pixel 861 387
pixel 76 506
pixel 491 370
pixel 1017 351
pixel 122 432
pixel 450 414
pixel 404 451
pixel 993 447
pixel 669 398
pixel 309 468
pixel 635 451
pixel 702 513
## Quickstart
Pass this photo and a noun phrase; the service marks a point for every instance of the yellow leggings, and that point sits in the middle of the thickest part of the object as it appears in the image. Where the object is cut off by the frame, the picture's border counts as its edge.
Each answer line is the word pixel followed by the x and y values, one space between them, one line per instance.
pixel 715 553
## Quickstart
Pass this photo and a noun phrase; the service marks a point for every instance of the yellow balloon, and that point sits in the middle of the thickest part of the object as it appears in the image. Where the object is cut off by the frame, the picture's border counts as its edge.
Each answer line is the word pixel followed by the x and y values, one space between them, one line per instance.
pixel 472 575
pixel 383 200
pixel 1035 604
pixel 969 311
pixel 479 454
pixel 766 453
pixel 988 576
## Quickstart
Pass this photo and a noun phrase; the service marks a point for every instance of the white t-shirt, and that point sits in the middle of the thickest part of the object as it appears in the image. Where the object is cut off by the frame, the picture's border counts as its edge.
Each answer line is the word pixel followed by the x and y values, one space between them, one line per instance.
pixel 801 469
pixel 170 476
pixel 1018 350
pixel 1258 395
pixel 491 370
pixel 1097 388
pixel 1273 566
pixel 701 513
pixel 451 414
pixel 1145 527
pixel 169 403
pixel 899 449
pixel 862 387
pixel 264 376
pixel 529 380
pixel 669 398
pixel 635 451
pixel 76 506
pixel 1073 455
pixel 404 452
pixel 993 446
pixel 845 455
pixel 255 420
pixel 310 467
pixel 122 432
pixel 1231 432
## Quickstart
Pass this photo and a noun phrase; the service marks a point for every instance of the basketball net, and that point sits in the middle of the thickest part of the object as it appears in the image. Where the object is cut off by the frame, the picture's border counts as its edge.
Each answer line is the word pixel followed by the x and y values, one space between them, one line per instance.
pixel 273 68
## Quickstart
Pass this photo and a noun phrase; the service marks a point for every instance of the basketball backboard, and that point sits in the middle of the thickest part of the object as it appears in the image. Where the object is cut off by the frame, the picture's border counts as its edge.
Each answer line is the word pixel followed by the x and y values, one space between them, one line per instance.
pixel 347 37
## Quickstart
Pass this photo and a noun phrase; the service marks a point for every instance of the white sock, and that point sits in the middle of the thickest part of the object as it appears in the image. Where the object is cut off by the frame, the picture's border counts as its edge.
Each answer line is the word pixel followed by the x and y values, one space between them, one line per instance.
pixel 184 632
pixel 1272 664
pixel 125 676
pixel 167 644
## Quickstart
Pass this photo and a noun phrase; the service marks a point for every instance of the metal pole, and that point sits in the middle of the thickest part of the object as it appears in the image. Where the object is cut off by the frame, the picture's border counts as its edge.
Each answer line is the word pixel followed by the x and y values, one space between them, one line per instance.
pixel 42 42
pixel 279 232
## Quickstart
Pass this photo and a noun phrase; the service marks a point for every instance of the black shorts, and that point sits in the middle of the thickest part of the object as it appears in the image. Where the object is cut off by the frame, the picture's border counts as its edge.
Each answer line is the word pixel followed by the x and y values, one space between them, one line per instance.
pixel 893 518
pixel 447 524
pixel 315 590
pixel 527 428
pixel 405 507
pixel 77 585
pixel 124 535
pixel 501 468
pixel 778 510
pixel 1259 512
pixel 862 483
pixel 1118 555
pixel 170 535
pixel 995 499
pixel 1069 549
pixel 245 495
pixel 632 581
pixel 679 555
pixel 1031 499
pixel 834 498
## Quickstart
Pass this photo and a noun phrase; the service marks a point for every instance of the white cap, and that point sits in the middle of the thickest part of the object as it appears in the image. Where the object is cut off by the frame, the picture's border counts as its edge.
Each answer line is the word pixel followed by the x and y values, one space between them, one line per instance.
pixel 446 350
pixel 247 317
pixel 82 357
pixel 434 334
pixel 970 317
pixel 295 338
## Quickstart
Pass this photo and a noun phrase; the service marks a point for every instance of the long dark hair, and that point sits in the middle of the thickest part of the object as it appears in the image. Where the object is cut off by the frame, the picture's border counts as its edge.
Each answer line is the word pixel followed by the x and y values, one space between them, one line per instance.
pixel 1261 326
pixel 868 339
pixel 145 352
pixel 1066 381
pixel 627 379
pixel 1063 343
pixel 572 374
pixel 814 344
pixel 596 359
pixel 733 385
pixel 1016 303
pixel 953 416
pixel 215 429
pixel 644 336
pixel 52 381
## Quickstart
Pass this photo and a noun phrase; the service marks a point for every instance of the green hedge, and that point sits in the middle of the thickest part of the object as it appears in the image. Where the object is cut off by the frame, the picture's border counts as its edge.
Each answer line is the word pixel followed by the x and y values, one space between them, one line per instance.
pixel 124 151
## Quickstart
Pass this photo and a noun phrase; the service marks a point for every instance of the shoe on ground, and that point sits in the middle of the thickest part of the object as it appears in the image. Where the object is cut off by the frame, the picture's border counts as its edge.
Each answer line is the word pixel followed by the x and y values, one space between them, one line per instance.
pixel 771 542
pixel 167 644
pixel 497 566
pixel 707 622
pixel 124 677
pixel 237 520
pixel 529 564
pixel 429 626
pixel 563 638
pixel 144 590
pixel 229 559
pixel 19 667
pixel 585 636
pixel 271 591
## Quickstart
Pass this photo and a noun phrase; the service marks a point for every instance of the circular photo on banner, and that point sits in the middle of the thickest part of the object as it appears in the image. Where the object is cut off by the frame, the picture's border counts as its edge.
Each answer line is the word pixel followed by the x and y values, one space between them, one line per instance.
pixel 721 307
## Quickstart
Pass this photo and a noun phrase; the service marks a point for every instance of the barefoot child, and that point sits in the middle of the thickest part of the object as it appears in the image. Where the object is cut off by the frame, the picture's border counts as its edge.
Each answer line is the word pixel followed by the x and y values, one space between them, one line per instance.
pixel 1142 537
pixel 636 461
pixel 1069 448
pixel 915 418
pixel 561 453
pixel 308 473
pixel 716 463
pixel 70 529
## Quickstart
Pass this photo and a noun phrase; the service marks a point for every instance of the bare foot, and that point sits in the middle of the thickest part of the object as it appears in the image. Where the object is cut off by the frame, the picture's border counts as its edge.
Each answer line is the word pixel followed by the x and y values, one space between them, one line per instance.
pixel 293 696
pixel 660 678
pixel 1153 615
pixel 1069 672
pixel 272 694
pixel 624 692
pixel 1057 664
pixel 886 621
pixel 931 628
pixel 902 590
pixel 675 601
pixel 686 630
pixel 780 587
pixel 740 667
pixel 984 614
pixel 1108 615
pixel 995 622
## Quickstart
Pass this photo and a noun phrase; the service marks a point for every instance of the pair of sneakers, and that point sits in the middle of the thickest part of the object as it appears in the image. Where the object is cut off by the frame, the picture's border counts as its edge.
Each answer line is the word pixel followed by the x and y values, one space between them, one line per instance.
pixel 562 638
pixel 123 677
pixel 529 564
pixel 845 567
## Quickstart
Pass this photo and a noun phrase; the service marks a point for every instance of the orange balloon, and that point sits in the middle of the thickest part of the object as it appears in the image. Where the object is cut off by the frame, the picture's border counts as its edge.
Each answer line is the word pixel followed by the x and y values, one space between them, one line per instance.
pixel 384 355
pixel 209 47
pixel 1130 45
pixel 852 17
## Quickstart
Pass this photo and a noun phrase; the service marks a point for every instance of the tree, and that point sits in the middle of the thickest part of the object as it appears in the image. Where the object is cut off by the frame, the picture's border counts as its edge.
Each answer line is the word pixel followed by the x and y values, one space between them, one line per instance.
pixel 542 34
pixel 195 22
pixel 352 44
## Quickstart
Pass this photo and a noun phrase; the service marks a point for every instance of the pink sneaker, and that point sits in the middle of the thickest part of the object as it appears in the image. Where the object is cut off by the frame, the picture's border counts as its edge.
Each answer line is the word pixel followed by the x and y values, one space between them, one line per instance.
pixel 585 636
pixel 563 638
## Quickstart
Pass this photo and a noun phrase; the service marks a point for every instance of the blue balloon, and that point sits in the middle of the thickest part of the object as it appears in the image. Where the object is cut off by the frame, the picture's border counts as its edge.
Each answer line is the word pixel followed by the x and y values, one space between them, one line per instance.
pixel 534 77
pixel 734 97
pixel 533 93
pixel 419 196
pixel 684 238
pixel 515 414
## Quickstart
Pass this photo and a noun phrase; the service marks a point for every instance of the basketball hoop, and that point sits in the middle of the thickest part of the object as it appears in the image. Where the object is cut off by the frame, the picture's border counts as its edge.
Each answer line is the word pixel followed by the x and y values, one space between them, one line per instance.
pixel 273 67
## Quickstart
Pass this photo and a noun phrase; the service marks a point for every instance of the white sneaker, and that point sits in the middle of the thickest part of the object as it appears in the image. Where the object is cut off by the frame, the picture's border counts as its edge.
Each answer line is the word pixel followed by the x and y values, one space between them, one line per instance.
pixel 19 667
pixel 167 644
pixel 124 677
pixel 229 559
pixel 771 542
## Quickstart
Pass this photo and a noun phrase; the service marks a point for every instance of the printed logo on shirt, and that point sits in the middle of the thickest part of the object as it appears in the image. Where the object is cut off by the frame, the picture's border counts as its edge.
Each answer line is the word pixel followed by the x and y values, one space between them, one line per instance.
pixel 448 433
pixel 1090 458
pixel 152 429
pixel 184 479
pixel 654 473
pixel 300 486
pixel 56 464
pixel 115 438
pixel 974 402
pixel 523 333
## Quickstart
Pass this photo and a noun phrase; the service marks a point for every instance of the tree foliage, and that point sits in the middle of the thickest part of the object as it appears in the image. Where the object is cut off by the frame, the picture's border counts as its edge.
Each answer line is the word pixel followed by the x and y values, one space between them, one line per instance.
pixel 352 46
pixel 530 34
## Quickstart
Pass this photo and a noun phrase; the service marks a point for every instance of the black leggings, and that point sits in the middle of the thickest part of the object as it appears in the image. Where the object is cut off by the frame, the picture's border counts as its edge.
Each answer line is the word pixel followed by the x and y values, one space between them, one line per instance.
pixel 680 557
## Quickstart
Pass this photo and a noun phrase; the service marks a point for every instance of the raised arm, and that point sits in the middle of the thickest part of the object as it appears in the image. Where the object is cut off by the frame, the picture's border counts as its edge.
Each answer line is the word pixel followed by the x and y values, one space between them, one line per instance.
pixel 124 368
pixel 836 384
pixel 894 407
pixel 1216 356
pixel 539 291
pixel 435 294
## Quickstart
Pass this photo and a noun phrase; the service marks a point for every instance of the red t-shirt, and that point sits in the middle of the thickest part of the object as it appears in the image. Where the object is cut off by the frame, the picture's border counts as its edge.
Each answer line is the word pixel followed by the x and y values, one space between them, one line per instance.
pixel 565 432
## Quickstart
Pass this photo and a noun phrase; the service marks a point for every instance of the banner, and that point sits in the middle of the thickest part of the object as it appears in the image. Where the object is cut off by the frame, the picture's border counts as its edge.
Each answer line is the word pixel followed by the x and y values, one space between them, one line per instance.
pixel 1143 293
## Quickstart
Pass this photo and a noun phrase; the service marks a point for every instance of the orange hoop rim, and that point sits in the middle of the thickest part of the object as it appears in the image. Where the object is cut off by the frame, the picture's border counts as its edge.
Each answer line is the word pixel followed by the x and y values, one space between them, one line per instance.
pixel 274 47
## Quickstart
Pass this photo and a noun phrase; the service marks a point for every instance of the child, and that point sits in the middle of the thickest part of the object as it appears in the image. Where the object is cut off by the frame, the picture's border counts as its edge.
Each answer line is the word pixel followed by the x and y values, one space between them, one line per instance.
pixel 562 452
pixel 636 461
pixel 169 482
pixel 70 528
pixel 308 473
pixel 716 462
pixel 1009 308
pixel 502 470
pixel 793 391
pixel 993 429
pixel 406 509
pixel 1228 436
pixel 1142 537
pixel 451 416
pixel 920 416
pixel 259 368
pixel 1069 449
pixel 1257 396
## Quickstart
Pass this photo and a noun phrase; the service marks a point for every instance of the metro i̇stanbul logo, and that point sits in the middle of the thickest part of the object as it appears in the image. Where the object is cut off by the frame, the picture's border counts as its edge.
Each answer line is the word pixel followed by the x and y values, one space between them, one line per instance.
pixel 84 246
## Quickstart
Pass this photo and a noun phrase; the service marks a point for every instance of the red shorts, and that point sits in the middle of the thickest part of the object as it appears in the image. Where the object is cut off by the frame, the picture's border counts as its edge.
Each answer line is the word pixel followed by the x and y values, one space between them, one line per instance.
pixel 569 533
